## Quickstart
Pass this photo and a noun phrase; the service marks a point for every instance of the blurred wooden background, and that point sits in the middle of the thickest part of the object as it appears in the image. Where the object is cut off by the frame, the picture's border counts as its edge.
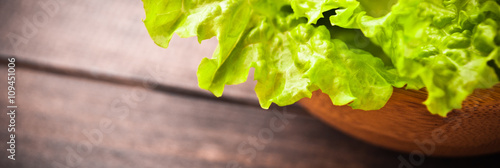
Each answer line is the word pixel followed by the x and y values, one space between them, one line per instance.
pixel 85 63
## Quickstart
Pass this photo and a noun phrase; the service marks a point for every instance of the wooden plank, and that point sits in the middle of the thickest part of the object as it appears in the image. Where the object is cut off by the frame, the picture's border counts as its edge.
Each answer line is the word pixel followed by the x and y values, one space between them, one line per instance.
pixel 103 37
pixel 165 130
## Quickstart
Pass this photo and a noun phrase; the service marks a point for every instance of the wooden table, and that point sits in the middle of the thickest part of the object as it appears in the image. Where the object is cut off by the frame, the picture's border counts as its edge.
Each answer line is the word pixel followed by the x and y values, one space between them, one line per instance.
pixel 93 90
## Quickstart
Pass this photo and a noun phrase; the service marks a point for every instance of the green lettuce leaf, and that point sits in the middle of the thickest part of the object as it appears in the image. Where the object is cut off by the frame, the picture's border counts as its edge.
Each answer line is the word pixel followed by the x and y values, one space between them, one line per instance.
pixel 445 44
pixel 291 57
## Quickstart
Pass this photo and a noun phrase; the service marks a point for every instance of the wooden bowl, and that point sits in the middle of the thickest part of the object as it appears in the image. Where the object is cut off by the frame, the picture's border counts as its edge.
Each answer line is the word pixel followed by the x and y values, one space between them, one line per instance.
pixel 405 124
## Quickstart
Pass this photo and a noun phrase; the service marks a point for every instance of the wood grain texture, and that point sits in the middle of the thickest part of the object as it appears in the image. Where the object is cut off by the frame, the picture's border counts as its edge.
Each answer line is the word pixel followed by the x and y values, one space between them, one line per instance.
pixel 105 37
pixel 165 130
pixel 404 123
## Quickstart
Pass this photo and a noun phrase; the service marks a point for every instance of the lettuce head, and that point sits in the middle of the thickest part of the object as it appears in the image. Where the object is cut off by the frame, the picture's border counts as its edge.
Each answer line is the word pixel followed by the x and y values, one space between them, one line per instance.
pixel 354 51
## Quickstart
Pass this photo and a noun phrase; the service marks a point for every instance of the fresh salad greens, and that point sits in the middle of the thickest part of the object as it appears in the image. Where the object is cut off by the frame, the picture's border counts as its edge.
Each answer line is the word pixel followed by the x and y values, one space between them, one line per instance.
pixel 355 52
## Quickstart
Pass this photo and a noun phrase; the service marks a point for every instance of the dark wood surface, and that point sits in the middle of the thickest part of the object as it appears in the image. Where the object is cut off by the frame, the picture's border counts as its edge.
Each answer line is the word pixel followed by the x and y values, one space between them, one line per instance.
pixel 87 66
